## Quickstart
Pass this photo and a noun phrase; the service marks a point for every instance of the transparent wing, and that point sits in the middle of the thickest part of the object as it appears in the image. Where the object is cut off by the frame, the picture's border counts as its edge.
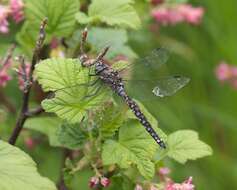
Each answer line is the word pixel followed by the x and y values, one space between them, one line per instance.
pixel 150 89
pixel 170 85
pixel 155 59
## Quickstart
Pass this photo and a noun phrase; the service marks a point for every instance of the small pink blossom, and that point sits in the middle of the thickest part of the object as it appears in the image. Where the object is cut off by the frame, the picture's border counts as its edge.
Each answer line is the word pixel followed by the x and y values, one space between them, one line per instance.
pixel 16 8
pixel 30 143
pixel 223 71
pixel 4 11
pixel 171 15
pixel 164 171
pixel 227 73
pixel 94 181
pixel 104 181
pixel 138 187
pixel 4 75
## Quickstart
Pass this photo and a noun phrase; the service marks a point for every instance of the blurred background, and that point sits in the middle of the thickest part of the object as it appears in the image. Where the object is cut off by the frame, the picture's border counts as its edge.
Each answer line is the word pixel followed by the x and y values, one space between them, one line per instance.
pixel 205 51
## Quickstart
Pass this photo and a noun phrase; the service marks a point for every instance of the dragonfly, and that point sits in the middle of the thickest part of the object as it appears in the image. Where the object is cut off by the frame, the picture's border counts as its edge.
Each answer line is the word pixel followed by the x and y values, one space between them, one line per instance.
pixel 111 78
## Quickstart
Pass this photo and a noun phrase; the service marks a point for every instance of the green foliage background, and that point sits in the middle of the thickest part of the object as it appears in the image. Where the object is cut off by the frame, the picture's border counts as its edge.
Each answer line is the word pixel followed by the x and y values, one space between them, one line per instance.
pixel 204 105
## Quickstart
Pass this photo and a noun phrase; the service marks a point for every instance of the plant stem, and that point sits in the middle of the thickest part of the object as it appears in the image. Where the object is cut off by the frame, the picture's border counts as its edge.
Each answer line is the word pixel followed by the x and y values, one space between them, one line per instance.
pixel 61 183
pixel 26 94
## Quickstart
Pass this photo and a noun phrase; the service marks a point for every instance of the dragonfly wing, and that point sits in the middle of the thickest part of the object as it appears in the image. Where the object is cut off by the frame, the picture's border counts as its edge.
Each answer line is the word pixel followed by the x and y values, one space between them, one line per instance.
pixel 170 85
pixel 156 58
pixel 152 61
pixel 149 90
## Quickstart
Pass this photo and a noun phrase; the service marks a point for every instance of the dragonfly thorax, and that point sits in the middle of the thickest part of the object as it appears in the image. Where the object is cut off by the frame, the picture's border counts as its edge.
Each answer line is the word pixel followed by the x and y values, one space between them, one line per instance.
pixel 100 66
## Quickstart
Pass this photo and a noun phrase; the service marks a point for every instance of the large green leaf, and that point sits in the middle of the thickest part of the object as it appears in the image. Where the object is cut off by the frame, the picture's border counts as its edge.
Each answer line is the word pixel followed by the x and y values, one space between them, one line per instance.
pixel 72 85
pixel 47 126
pixel 18 171
pixel 185 145
pixel 27 37
pixel 133 147
pixel 119 12
pixel 110 119
pixel 60 14
pixel 71 136
pixel 101 37
pixel 59 133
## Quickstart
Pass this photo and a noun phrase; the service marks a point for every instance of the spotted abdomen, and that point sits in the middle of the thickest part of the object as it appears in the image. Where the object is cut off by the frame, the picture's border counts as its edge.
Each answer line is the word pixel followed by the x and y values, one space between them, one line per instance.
pixel 143 120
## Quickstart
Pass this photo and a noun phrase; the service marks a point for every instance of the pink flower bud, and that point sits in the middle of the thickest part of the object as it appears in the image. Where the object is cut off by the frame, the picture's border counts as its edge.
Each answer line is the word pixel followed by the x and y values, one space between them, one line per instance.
pixel 223 71
pixel 105 181
pixel 93 182
pixel 164 171
pixel 4 75
pixel 30 143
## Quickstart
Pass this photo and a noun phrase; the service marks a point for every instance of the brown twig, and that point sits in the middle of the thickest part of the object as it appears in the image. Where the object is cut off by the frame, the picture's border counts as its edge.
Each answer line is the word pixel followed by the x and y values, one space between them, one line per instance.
pixel 24 113
pixel 61 183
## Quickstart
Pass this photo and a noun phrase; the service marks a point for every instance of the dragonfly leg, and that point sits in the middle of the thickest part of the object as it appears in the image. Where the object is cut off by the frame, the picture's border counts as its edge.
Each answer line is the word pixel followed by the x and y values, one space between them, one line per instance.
pixel 83 57
pixel 102 54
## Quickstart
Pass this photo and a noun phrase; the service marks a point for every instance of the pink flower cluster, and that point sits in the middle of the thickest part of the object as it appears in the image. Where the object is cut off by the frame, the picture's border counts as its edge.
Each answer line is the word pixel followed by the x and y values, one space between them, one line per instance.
pixel 227 73
pixel 174 14
pixel 167 183
pixel 14 10
pixel 4 73
pixel 95 181
pixel 186 185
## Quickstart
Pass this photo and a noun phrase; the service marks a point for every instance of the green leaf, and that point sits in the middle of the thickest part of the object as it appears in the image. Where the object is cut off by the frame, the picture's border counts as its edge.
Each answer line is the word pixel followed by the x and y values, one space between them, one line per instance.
pixel 18 171
pixel 47 126
pixel 71 136
pixel 133 147
pixel 185 145
pixel 101 37
pixel 27 37
pixel 73 92
pixel 110 119
pixel 120 13
pixel 60 14
pixel 82 18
